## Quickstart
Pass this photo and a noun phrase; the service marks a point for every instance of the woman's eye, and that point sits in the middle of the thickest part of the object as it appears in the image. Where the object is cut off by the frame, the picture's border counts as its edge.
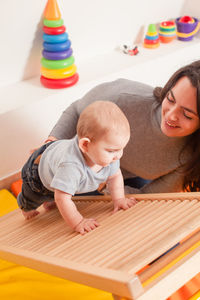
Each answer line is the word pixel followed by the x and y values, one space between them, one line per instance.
pixel 170 99
pixel 188 117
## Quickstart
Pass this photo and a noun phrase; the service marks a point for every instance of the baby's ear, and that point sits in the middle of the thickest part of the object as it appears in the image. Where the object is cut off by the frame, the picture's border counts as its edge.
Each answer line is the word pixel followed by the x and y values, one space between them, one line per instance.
pixel 83 144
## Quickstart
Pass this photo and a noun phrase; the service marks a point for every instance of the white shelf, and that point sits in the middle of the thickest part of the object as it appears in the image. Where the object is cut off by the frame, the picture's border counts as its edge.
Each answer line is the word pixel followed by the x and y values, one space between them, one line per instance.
pixel 100 68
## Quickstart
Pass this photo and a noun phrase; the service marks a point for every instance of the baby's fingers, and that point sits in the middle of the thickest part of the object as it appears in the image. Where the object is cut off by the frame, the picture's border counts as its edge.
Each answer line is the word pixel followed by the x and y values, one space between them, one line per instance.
pixel 131 201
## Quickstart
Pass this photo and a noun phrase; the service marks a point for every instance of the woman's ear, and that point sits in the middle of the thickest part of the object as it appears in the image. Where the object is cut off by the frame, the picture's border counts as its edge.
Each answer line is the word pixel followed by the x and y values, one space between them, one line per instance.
pixel 83 144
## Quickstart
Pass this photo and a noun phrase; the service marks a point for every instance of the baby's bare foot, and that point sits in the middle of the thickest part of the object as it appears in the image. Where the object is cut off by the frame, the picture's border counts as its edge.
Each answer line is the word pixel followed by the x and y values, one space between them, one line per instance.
pixel 30 214
pixel 49 205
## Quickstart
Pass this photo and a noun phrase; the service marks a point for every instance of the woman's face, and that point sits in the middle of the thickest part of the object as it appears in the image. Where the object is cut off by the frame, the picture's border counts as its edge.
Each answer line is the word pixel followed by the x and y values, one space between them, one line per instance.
pixel 179 110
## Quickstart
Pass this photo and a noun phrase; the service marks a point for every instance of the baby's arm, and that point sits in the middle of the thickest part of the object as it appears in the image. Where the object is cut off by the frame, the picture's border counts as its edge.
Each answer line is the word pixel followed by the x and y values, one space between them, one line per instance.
pixel 115 185
pixel 71 215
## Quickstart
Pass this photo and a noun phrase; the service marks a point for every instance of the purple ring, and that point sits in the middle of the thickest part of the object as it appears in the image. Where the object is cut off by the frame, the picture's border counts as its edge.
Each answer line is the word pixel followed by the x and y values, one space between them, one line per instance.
pixel 57 55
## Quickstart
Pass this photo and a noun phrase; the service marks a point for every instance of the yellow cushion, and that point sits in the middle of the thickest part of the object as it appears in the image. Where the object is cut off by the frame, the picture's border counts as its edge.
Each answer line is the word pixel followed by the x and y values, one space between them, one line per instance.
pixel 19 283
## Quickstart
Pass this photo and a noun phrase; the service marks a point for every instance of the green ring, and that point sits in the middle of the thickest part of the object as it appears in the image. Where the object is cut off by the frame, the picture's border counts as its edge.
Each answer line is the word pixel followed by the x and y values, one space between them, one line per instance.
pixel 167 29
pixel 53 23
pixel 57 64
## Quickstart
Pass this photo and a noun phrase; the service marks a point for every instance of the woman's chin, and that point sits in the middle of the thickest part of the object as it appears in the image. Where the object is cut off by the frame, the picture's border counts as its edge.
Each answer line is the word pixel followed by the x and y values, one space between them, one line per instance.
pixel 169 131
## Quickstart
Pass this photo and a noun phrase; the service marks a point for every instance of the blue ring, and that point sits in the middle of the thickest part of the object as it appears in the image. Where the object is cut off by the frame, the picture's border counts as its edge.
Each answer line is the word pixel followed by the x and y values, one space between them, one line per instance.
pixel 148 37
pixel 57 47
pixel 57 55
pixel 59 38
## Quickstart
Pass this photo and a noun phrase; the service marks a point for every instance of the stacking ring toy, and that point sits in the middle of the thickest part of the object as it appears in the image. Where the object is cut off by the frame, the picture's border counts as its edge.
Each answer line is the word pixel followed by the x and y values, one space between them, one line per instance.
pixel 57 64
pixel 59 38
pixel 54 30
pixel 57 55
pixel 53 23
pixel 60 73
pixel 57 47
pixel 59 83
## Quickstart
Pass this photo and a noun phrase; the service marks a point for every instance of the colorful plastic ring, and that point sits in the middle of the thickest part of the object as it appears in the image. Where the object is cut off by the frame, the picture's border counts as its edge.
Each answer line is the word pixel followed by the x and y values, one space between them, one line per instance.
pixel 167 34
pixel 166 39
pixel 58 74
pixel 57 47
pixel 151 42
pixel 167 29
pixel 54 30
pixel 151 37
pixel 59 38
pixel 57 64
pixel 168 24
pixel 152 33
pixel 151 46
pixel 53 23
pixel 59 83
pixel 57 55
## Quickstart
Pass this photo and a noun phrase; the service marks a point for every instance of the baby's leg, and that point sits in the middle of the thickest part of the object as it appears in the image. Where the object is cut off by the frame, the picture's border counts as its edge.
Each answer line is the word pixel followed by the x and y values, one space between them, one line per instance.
pixel 30 214
pixel 49 205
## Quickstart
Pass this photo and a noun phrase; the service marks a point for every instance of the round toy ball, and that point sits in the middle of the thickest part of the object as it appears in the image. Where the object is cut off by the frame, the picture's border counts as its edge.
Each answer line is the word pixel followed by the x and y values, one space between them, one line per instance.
pixel 186 19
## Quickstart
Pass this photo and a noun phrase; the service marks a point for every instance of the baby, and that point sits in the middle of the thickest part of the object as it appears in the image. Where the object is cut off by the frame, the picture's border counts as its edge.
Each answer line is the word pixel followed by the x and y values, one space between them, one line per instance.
pixel 59 169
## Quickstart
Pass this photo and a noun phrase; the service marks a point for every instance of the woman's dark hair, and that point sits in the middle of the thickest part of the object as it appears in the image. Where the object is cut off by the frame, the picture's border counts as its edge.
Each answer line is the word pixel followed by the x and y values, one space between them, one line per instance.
pixel 191 169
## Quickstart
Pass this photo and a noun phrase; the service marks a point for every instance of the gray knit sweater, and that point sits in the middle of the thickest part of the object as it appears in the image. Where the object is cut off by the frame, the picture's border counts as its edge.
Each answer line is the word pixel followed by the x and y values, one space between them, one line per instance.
pixel 149 154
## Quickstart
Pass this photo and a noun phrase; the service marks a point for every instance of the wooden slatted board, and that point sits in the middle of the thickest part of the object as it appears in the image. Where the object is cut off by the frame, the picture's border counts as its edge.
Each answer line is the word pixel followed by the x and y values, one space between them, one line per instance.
pixel 109 256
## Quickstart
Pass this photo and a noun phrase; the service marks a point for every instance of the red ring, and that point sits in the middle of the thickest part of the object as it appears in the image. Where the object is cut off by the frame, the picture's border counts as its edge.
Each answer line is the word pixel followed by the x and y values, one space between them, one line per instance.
pixel 151 42
pixel 59 83
pixel 54 30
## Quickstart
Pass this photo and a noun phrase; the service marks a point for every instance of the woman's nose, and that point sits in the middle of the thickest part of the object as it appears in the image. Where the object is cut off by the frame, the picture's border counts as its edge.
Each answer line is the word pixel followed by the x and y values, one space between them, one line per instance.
pixel 173 114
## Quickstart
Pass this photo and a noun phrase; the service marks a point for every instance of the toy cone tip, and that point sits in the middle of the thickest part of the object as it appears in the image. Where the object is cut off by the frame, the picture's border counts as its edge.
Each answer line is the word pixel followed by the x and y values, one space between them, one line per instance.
pixel 52 11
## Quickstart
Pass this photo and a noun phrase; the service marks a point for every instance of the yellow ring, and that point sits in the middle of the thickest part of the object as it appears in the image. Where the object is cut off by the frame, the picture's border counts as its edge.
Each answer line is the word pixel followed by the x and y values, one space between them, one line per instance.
pixel 59 73
pixel 152 33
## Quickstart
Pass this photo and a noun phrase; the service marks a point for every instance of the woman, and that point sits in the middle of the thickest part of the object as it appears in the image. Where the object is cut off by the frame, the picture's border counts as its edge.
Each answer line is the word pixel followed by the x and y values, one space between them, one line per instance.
pixel 165 143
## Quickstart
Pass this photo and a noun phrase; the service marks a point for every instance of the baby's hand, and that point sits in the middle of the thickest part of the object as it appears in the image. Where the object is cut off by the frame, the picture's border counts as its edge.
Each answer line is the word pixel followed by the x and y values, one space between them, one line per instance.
pixel 124 203
pixel 86 225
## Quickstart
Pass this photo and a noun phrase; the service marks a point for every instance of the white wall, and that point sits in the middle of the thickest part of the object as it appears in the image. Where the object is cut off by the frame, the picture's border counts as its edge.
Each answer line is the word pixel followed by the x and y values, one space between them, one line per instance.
pixel 95 28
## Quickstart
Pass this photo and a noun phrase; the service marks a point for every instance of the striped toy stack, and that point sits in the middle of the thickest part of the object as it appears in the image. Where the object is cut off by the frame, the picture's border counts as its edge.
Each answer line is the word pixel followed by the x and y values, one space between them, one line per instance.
pixel 57 64
pixel 151 39
pixel 167 31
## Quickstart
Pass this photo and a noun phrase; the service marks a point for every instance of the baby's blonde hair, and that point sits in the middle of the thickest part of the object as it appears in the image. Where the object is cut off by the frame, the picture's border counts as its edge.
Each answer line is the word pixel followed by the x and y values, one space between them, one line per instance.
pixel 100 118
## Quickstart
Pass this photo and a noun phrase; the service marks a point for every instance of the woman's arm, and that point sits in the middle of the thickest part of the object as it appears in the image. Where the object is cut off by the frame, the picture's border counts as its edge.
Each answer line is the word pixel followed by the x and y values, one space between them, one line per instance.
pixel 65 128
pixel 170 183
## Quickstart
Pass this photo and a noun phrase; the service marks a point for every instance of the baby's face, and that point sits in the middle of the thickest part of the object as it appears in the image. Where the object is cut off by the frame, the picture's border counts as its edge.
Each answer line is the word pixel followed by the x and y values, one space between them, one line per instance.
pixel 108 149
